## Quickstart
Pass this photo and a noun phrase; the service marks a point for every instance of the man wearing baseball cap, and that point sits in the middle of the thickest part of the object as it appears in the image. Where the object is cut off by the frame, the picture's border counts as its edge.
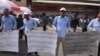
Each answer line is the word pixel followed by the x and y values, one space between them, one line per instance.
pixel 62 25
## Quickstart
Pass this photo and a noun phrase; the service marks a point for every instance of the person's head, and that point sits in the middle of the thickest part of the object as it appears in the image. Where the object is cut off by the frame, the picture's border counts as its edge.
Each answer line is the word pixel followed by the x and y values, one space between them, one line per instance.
pixel 11 12
pixel 98 15
pixel 62 11
pixel 20 16
pixel 26 16
pixel 6 12
pixel 43 14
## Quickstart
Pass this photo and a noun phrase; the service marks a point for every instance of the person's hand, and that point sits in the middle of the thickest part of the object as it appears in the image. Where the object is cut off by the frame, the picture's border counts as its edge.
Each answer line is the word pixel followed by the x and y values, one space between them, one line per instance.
pixel 94 29
pixel 21 28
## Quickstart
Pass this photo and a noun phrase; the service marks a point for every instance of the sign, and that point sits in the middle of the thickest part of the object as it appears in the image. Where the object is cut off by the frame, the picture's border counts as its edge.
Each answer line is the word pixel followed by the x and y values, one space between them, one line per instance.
pixel 45 8
pixel 9 41
pixel 82 43
pixel 40 41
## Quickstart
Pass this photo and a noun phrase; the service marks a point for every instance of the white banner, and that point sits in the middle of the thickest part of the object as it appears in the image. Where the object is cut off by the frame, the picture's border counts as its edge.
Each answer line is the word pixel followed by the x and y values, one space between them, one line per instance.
pixel 41 41
pixel 82 43
pixel 9 41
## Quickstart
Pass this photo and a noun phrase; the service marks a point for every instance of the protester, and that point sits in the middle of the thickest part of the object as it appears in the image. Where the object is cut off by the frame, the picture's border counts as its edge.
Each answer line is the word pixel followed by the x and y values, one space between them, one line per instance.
pixel 45 21
pixel 62 24
pixel 29 24
pixel 19 25
pixel 74 24
pixel 85 23
pixel 8 22
pixel 94 24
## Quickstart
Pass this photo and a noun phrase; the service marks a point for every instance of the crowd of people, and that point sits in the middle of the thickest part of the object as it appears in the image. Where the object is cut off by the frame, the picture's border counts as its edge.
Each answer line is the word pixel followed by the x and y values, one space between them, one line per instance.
pixel 45 21
pixel 62 23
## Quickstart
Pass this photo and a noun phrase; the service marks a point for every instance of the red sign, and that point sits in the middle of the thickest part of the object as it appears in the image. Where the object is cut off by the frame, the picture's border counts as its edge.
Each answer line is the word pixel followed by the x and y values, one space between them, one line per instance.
pixel 45 8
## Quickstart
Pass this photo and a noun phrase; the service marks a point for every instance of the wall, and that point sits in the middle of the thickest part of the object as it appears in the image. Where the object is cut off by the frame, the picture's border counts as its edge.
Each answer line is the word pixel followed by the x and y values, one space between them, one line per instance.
pixel 22 3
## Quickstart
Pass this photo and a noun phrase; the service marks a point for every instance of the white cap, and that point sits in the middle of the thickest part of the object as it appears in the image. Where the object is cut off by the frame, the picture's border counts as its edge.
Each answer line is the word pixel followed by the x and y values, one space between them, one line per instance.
pixel 63 9
pixel 25 13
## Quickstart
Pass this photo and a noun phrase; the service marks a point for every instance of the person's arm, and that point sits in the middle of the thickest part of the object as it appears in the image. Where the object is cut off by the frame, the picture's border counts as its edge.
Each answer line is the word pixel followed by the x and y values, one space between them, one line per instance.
pixel 55 22
pixel 1 27
pixel 68 24
pixel 14 23
pixel 34 24
pixel 90 26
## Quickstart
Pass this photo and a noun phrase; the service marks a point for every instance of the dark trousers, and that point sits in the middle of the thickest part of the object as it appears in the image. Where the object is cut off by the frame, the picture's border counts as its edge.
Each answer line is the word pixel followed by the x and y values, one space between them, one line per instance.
pixel 74 28
pixel 44 27
pixel 99 50
pixel 84 29
pixel 21 33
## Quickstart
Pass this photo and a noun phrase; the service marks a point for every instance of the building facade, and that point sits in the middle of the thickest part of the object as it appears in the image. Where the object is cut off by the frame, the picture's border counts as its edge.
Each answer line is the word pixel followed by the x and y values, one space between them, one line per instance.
pixel 51 7
pixel 20 2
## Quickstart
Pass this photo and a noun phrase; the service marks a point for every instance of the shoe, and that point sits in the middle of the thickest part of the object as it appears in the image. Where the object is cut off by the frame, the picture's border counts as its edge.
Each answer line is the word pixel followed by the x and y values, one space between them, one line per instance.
pixel 37 55
pixel 29 54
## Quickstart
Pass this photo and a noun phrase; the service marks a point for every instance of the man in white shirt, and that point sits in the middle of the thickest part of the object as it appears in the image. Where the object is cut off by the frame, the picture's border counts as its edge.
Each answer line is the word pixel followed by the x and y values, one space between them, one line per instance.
pixel 62 24
pixel 29 23
pixel 94 24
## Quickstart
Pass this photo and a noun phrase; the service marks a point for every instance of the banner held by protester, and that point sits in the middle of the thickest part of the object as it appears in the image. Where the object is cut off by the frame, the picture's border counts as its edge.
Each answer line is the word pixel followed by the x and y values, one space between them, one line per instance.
pixel 9 41
pixel 82 43
pixel 42 41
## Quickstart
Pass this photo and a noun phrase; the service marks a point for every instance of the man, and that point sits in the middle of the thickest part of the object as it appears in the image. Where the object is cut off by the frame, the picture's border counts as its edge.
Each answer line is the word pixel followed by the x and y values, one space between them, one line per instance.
pixel 85 23
pixel 29 24
pixel 20 24
pixel 62 25
pixel 45 21
pixel 8 22
pixel 94 24
pixel 74 24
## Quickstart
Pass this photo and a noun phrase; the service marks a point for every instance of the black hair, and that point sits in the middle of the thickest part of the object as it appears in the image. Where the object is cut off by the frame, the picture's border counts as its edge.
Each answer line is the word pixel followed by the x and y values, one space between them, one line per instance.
pixel 43 14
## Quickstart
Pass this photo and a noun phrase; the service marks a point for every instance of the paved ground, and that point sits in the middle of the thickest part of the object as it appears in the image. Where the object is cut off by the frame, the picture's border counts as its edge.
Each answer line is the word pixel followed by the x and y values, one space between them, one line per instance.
pixel 22 50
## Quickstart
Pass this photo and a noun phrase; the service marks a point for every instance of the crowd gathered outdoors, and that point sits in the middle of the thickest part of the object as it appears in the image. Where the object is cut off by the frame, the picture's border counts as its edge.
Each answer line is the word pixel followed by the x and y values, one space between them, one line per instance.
pixel 9 21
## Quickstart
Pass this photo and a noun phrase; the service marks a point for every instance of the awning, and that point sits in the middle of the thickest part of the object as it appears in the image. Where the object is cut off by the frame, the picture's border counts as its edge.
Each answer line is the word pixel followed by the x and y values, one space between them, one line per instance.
pixel 70 3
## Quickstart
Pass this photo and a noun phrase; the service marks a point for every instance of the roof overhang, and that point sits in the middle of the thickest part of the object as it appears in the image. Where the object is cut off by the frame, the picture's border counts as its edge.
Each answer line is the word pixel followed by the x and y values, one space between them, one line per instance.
pixel 68 2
